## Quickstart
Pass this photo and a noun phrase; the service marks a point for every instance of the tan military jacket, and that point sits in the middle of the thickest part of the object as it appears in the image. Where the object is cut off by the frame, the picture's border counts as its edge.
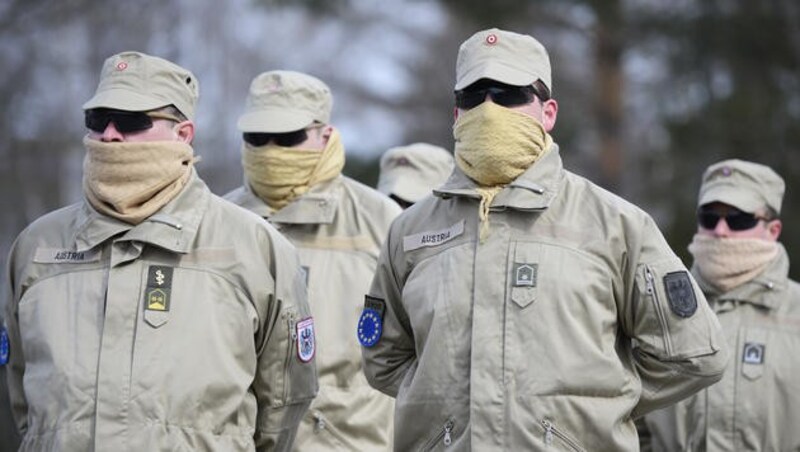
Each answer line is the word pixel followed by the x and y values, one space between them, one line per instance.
pixel 756 405
pixel 572 318
pixel 180 333
pixel 338 228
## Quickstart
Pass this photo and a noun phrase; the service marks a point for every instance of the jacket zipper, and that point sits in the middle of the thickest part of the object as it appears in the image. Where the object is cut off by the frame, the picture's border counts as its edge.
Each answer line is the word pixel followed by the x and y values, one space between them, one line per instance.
pixel 550 430
pixel 292 341
pixel 651 290
pixel 444 436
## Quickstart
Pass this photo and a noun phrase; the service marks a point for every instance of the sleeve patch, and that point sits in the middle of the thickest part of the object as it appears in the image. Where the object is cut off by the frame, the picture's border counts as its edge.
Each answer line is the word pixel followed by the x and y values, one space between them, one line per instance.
pixel 680 294
pixel 370 324
pixel 306 341
pixel 4 346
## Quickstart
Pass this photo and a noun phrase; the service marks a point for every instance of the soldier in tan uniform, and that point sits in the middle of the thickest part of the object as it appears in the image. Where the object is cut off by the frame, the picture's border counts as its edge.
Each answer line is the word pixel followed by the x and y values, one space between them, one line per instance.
pixel 293 159
pixel 154 315
pixel 409 173
pixel 743 270
pixel 523 307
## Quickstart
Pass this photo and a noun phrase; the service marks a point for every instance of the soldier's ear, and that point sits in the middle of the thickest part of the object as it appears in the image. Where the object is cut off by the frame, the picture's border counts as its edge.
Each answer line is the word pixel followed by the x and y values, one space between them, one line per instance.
pixel 185 131
pixel 326 132
pixel 774 229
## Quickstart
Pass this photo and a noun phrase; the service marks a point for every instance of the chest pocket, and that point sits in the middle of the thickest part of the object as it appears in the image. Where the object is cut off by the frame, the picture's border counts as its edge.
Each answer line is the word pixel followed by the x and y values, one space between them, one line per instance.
pixel 560 315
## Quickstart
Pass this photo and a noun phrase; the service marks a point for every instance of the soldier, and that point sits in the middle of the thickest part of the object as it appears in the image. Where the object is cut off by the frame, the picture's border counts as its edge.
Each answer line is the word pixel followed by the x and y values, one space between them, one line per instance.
pixel 409 173
pixel 523 307
pixel 153 315
pixel 293 159
pixel 743 270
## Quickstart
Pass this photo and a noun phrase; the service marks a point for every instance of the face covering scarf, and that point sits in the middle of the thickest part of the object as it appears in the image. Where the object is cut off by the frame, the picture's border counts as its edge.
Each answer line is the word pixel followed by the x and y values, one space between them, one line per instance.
pixel 279 174
pixel 131 181
pixel 493 146
pixel 726 263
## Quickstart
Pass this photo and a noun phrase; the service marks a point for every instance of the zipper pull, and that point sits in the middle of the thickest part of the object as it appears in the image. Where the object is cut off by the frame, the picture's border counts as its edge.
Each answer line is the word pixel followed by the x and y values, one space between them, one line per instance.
pixel 448 427
pixel 320 424
pixel 649 281
pixel 548 432
pixel 292 329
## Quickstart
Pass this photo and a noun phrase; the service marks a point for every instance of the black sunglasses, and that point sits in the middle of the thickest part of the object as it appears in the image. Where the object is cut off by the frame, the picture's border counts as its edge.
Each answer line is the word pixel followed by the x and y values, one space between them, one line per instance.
pixel 501 94
pixel 735 219
pixel 97 119
pixel 287 139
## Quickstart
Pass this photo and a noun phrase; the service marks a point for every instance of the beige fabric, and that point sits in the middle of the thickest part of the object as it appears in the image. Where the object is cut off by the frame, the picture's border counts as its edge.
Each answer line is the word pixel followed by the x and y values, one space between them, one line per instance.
pixel 337 227
pixel 553 334
pixel 756 405
pixel 279 174
pixel 285 101
pixel 726 263
pixel 131 181
pixel 96 370
pixel 135 81
pixel 748 186
pixel 494 145
pixel 504 56
pixel 412 172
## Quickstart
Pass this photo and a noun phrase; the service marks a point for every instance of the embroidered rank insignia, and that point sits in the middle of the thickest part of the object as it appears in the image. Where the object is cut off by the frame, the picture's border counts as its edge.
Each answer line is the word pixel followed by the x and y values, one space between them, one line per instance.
pixel 525 275
pixel 306 344
pixel 680 294
pixel 370 325
pixel 159 288
pixel 5 347
pixel 753 353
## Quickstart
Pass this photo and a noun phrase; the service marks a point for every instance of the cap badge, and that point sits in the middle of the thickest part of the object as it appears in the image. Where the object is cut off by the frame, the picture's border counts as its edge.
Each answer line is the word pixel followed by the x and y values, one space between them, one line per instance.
pixel 121 66
pixel 491 39
pixel 402 161
pixel 726 171
pixel 274 86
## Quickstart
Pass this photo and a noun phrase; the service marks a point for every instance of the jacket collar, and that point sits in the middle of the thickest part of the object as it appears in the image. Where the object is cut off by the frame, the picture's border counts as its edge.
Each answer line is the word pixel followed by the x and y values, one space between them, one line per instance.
pixel 173 227
pixel 534 189
pixel 317 206
pixel 766 289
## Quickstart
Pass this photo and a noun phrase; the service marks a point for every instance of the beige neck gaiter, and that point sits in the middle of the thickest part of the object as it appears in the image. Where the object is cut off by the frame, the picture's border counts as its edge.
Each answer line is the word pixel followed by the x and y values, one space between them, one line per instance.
pixel 280 174
pixel 131 181
pixel 493 146
pixel 726 263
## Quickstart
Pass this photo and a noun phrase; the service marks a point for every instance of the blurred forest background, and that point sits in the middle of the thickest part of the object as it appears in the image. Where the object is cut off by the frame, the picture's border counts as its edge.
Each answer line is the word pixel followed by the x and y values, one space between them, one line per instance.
pixel 650 91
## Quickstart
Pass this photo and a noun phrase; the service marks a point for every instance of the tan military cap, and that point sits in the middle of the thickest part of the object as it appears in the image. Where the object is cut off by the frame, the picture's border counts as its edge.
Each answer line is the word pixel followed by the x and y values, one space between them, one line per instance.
pixel 134 81
pixel 503 56
pixel 411 172
pixel 745 185
pixel 285 101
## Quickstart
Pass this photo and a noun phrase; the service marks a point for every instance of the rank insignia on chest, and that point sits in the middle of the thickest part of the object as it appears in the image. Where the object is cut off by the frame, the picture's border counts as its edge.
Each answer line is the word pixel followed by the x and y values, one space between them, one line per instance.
pixel 753 353
pixel 525 275
pixel 306 343
pixel 157 295
pixel 370 324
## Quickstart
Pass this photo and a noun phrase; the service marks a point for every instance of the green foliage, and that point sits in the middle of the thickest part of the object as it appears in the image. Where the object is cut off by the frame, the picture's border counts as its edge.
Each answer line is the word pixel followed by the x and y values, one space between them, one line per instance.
pixel 744 102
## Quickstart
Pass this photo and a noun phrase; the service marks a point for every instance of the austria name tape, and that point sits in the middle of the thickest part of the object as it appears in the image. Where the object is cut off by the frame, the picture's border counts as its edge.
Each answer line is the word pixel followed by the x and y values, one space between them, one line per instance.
pixel 432 238
pixel 62 256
